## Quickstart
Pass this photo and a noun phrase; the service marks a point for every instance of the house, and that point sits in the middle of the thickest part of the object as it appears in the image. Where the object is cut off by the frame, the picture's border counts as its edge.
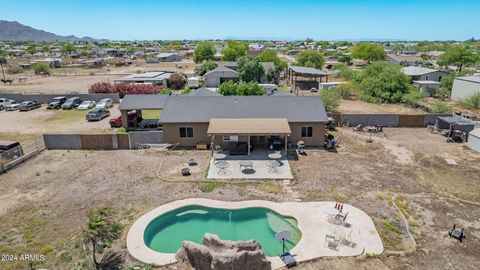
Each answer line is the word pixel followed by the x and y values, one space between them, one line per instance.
pixel 474 140
pixel 258 121
pixel 152 78
pixel 219 75
pixel 427 87
pixel 402 59
pixel 465 86
pixel 424 74
pixel 169 57
pixel 52 62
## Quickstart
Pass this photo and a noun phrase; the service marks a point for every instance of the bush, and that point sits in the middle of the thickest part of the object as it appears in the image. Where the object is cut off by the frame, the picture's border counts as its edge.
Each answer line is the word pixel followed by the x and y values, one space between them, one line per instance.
pixel 14 70
pixel 441 107
pixel 40 68
pixel 205 67
pixel 126 89
pixel 344 71
pixel 176 81
pixel 331 99
pixel 230 88
pixel 472 101
pixel 412 97
pixel 347 90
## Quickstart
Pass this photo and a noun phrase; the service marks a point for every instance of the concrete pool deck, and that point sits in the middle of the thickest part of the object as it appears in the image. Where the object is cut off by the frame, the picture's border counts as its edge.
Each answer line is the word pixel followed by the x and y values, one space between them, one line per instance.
pixel 312 218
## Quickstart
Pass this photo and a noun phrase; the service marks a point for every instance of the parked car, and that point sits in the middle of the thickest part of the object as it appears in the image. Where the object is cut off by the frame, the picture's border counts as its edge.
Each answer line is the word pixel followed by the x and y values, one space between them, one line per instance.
pixel 314 90
pixel 56 103
pixel 86 105
pixel 5 102
pixel 97 114
pixel 105 103
pixel 133 120
pixel 28 106
pixel 71 103
pixel 12 107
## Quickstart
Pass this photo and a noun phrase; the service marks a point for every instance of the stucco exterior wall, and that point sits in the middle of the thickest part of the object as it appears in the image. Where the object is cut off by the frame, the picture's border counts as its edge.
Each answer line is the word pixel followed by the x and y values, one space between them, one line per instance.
pixel 462 89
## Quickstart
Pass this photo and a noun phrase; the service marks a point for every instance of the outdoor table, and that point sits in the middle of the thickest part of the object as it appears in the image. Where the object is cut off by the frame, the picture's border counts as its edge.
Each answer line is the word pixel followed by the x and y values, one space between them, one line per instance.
pixel 246 164
pixel 274 156
pixel 273 164
pixel 219 156
pixel 222 166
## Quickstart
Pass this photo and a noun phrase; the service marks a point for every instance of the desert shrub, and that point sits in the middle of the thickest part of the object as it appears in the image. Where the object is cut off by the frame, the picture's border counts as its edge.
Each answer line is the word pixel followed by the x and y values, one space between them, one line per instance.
pixel 347 90
pixel 40 68
pixel 412 97
pixel 472 101
pixel 230 88
pixel 176 81
pixel 14 70
pixel 441 107
pixel 101 88
pixel 331 99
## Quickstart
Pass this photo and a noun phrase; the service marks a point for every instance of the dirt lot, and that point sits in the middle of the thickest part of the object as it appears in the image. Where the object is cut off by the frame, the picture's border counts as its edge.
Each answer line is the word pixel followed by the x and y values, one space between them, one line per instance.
pixel 44 201
pixel 52 121
pixel 67 80
pixel 358 106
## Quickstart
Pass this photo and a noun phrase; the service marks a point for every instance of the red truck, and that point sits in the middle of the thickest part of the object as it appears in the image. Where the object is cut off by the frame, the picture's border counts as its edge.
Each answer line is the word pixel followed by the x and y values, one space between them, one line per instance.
pixel 133 120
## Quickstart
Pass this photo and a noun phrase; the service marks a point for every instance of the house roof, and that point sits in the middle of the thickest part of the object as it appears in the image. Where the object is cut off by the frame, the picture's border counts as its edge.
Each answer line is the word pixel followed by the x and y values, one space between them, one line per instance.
pixel 222 69
pixel 427 82
pixel 401 58
pixel 143 102
pixel 417 71
pixel 306 70
pixel 204 92
pixel 147 76
pixel 248 126
pixel 474 79
pixel 162 55
pixel 200 109
pixel 475 133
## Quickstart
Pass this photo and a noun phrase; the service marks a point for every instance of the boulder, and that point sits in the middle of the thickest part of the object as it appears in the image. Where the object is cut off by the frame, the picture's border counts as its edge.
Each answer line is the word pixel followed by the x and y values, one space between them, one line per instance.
pixel 223 254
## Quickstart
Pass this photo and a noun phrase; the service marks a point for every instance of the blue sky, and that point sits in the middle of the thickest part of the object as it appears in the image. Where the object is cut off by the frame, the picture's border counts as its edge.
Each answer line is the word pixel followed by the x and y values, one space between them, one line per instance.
pixel 297 19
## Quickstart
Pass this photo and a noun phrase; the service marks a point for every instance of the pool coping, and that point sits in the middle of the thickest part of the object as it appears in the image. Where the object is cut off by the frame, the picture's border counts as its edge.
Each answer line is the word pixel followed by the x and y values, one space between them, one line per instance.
pixel 311 221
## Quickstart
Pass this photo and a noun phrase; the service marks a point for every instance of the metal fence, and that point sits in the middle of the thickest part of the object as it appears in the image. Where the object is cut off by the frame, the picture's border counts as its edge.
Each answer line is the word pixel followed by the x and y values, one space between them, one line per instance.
pixel 387 120
pixel 87 141
pixel 26 150
pixel 137 138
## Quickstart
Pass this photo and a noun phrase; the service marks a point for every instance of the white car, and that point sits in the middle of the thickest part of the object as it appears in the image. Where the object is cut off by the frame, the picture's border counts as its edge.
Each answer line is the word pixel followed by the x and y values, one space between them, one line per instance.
pixel 105 103
pixel 86 105
pixel 12 107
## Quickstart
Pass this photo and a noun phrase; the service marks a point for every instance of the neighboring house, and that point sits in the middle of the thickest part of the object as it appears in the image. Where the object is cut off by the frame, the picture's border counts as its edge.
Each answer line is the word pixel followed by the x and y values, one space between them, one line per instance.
pixel 52 62
pixel 257 120
pixel 427 87
pixel 465 86
pixel 169 57
pixel 152 78
pixel 474 140
pixel 402 59
pixel 219 75
pixel 424 74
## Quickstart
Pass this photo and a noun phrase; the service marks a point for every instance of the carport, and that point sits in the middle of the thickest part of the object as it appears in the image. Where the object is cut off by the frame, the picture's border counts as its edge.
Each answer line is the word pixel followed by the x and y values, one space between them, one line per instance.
pixel 140 102
pixel 305 78
pixel 248 127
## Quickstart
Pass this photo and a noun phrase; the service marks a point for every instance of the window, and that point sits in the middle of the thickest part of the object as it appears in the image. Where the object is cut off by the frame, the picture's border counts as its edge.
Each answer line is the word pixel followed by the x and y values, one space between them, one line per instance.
pixel 186 132
pixel 307 132
pixel 426 78
pixel 439 78
pixel 230 138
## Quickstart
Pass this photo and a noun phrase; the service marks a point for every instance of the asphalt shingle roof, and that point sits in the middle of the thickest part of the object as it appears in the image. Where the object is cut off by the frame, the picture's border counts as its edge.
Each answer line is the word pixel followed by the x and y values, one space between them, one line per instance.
pixel 143 102
pixel 188 109
pixel 306 70
pixel 417 71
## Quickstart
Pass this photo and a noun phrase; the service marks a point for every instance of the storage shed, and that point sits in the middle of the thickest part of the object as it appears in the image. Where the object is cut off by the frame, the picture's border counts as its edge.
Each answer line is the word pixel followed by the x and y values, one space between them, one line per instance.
pixel 455 123
pixel 474 140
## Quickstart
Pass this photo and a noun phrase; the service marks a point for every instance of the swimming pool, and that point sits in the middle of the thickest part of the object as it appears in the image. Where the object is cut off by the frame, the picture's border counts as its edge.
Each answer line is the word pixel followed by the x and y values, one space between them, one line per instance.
pixel 166 233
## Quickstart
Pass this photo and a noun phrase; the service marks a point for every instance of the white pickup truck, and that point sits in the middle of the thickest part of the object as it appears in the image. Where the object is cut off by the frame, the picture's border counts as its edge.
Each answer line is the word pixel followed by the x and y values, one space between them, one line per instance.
pixel 4 102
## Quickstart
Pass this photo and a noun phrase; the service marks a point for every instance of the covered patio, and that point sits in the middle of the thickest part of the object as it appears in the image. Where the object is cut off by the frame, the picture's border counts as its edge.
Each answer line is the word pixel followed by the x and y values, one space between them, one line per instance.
pixel 249 148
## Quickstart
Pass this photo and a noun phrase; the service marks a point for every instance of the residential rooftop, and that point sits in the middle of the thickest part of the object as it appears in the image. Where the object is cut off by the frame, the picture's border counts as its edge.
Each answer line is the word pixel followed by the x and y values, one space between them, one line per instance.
pixel 417 71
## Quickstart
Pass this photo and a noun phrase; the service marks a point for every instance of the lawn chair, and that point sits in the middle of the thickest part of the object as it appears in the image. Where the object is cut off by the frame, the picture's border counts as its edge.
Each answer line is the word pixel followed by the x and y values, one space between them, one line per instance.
pixel 288 260
pixel 456 233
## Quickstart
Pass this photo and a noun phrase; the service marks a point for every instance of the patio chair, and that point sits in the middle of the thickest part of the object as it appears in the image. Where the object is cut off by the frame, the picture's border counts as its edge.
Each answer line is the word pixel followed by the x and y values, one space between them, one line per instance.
pixel 185 171
pixel 288 260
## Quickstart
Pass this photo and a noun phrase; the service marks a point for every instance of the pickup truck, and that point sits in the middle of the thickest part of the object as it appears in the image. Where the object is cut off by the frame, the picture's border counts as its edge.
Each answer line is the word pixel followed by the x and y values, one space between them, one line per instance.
pixel 4 102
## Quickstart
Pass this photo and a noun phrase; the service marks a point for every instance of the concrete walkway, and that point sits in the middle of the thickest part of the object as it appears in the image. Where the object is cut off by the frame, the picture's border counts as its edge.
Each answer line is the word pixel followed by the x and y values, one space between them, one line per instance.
pixel 313 221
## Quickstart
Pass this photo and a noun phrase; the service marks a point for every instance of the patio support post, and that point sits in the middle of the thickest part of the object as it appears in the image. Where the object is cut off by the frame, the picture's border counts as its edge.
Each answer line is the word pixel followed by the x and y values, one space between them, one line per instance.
pixel 212 144
pixel 285 144
pixel 248 145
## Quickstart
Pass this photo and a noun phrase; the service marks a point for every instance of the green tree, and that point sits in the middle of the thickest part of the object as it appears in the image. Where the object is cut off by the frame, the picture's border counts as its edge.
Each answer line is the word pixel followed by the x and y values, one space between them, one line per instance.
pixel 383 82
pixel 100 232
pixel 272 56
pixel 31 49
pixel 68 48
pixel 228 88
pixel 249 69
pixel 234 50
pixel 369 52
pixel 331 99
pixel 310 58
pixel 40 68
pixel 458 56
pixel 472 101
pixel 205 67
pixel 250 89
pixel 203 52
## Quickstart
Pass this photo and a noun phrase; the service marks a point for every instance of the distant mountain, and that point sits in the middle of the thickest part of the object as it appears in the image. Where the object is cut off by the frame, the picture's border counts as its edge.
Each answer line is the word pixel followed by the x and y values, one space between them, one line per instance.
pixel 15 31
